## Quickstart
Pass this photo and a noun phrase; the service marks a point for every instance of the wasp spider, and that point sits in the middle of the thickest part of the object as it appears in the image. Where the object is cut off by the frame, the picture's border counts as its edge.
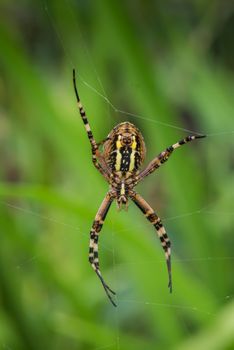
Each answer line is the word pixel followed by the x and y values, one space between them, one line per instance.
pixel 119 163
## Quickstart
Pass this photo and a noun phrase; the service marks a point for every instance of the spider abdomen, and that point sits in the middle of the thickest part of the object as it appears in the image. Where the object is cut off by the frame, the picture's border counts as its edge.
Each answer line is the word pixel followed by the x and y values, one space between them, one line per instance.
pixel 124 150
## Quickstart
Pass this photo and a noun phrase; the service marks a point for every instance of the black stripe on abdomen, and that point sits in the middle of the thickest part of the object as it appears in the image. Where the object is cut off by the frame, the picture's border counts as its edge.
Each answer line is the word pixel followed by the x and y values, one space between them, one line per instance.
pixel 125 158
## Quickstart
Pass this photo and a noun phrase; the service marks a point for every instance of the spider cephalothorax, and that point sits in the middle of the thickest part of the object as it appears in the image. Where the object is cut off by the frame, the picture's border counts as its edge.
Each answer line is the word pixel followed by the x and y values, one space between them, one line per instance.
pixel 119 163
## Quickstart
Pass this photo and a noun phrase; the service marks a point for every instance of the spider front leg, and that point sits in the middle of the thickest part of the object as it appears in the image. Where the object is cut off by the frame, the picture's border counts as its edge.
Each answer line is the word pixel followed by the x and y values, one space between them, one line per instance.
pixel 163 156
pixel 97 158
pixel 93 244
pixel 156 221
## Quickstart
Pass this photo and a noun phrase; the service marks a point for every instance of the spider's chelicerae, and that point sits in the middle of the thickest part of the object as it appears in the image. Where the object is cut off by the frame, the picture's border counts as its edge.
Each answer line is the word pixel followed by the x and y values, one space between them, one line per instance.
pixel 119 163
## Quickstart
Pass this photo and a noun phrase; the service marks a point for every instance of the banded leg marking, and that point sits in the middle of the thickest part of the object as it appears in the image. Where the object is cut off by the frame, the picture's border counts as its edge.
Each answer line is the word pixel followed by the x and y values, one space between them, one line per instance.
pixel 93 244
pixel 157 223
pixel 163 156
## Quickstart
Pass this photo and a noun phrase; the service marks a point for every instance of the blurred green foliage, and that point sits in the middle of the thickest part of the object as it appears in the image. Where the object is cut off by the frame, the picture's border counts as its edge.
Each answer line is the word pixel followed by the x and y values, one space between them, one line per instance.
pixel 168 68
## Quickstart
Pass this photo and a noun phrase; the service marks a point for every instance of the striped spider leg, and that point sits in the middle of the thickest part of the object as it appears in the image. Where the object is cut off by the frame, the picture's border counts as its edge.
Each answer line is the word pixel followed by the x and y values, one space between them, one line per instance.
pixel 119 162
pixel 157 223
pixel 97 158
pixel 164 156
pixel 93 244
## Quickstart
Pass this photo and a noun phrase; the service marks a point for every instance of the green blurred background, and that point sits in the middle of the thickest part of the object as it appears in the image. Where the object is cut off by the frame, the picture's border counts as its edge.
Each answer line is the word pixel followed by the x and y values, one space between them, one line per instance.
pixel 168 68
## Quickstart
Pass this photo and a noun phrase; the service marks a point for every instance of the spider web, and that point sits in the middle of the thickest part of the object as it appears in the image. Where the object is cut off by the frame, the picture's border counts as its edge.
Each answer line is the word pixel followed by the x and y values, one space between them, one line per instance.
pixel 109 245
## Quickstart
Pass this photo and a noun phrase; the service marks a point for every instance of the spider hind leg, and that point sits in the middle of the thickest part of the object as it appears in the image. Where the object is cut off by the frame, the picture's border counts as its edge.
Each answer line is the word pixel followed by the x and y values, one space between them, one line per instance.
pixel 161 232
pixel 93 245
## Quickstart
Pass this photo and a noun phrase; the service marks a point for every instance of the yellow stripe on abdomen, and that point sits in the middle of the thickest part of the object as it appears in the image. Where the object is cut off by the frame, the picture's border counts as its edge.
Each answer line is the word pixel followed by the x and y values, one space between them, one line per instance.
pixel 132 161
pixel 118 154
pixel 118 160
pixel 132 157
